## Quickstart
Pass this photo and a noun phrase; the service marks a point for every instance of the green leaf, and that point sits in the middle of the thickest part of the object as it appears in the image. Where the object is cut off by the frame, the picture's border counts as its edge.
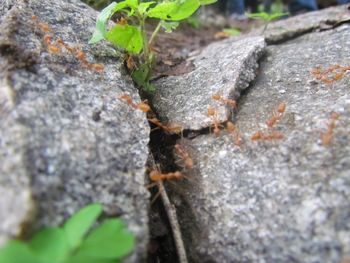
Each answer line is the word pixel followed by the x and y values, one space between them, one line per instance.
pixel 128 6
pixel 174 11
pixel 275 16
pixel 207 2
pixel 127 37
pixel 265 16
pixel 169 26
pixel 102 19
pixel 89 260
pixel 261 15
pixel 143 7
pixel 162 10
pixel 17 252
pixel 50 245
pixel 141 77
pixel 232 31
pixel 110 240
pixel 80 223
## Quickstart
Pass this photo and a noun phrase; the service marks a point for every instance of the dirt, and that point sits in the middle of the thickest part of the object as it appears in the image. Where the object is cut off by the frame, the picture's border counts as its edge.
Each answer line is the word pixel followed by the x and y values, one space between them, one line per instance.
pixel 173 49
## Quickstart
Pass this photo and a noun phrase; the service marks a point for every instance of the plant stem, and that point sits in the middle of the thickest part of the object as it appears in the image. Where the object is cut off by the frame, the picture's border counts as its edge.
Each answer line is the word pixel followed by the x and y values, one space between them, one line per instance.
pixel 155 32
pixel 265 27
pixel 145 41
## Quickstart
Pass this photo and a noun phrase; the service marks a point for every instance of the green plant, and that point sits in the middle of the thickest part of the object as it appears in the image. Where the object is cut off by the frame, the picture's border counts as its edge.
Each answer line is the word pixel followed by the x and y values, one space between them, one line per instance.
pixel 130 34
pixel 266 17
pixel 108 243
pixel 232 31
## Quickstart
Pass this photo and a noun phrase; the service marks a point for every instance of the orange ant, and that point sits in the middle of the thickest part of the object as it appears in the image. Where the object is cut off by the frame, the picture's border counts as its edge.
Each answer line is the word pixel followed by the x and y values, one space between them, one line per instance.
pixel 170 128
pixel 330 74
pixel 328 135
pixel 130 63
pixel 97 67
pixel 142 106
pixel 276 115
pixel 59 43
pixel 185 157
pixel 212 112
pixel 53 49
pixel 47 39
pixel 231 128
pixel 122 21
pixel 259 135
pixel 157 176
pixel 229 102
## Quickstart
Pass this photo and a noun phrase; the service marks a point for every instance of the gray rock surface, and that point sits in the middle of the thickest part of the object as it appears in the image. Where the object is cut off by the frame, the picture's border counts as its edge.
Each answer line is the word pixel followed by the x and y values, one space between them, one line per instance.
pixel 66 140
pixel 276 201
pixel 224 68
pixel 301 24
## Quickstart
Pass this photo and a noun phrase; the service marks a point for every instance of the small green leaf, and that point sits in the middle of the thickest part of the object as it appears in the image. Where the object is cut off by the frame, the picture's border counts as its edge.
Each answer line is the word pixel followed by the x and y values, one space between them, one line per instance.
pixel 127 37
pixel 141 77
pixel 261 15
pixel 265 16
pixel 128 6
pixel 232 31
pixel 207 2
pixel 17 252
pixel 169 26
pixel 143 7
pixel 50 245
pixel 78 225
pixel 110 240
pixel 102 19
pixel 132 4
pixel 174 11
pixel 275 16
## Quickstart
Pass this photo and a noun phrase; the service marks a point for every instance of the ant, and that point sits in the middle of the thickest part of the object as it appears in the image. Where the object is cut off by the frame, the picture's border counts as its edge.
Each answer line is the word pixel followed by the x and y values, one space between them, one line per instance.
pixel 184 156
pixel 231 128
pixel 56 48
pixel 276 115
pixel 169 128
pixel 142 106
pixel 212 112
pixel 130 63
pixel 271 135
pixel 330 74
pixel 328 135
pixel 274 135
pixel 157 176
pixel 229 102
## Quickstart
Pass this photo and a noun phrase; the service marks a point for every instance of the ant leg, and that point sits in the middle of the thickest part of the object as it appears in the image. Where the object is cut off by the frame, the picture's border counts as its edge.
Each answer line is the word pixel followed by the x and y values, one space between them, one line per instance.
pixel 151 185
pixel 155 197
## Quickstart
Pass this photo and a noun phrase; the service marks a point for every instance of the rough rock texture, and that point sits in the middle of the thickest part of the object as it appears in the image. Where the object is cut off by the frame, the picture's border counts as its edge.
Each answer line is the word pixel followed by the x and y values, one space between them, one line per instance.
pixel 301 24
pixel 224 68
pixel 66 140
pixel 276 201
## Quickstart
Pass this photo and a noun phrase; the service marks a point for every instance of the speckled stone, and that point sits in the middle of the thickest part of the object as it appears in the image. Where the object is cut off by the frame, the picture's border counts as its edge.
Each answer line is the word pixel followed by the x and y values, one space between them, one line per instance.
pixel 276 201
pixel 225 68
pixel 304 23
pixel 65 138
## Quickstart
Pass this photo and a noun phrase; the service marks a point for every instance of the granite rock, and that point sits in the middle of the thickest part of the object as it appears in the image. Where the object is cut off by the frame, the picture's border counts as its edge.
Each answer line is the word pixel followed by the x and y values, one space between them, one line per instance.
pixel 225 68
pixel 282 200
pixel 66 140
pixel 311 21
